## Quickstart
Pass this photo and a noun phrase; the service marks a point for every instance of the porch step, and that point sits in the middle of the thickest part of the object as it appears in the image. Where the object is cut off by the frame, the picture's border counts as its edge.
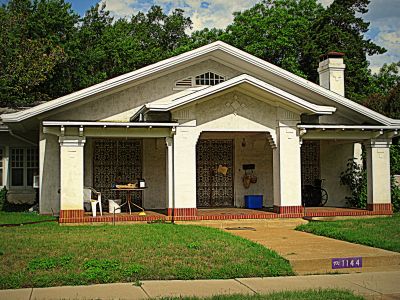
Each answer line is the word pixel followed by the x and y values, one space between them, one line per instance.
pixel 260 223
pixel 324 265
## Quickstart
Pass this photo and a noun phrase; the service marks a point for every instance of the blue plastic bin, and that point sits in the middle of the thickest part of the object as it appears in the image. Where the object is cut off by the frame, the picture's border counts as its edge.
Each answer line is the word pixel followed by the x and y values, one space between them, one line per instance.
pixel 253 201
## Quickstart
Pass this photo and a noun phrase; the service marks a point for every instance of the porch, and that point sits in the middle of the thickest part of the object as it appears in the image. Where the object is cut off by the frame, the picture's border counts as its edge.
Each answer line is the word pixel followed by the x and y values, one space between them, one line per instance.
pixel 216 214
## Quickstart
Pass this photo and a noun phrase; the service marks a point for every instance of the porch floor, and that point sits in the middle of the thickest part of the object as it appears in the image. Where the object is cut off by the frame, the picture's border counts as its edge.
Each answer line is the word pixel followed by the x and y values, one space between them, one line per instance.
pixel 224 214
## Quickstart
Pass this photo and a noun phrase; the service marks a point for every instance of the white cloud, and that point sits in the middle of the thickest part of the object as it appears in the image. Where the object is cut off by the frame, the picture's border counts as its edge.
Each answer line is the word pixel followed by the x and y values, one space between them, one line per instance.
pixel 119 8
pixel 325 3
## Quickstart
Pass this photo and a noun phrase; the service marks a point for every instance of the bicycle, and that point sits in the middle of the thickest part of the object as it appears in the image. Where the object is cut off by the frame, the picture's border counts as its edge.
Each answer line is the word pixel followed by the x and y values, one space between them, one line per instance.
pixel 314 195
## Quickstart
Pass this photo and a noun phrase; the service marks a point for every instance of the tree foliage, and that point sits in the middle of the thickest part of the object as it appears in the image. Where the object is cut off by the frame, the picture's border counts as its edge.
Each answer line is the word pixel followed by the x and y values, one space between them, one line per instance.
pixel 47 50
pixel 31 47
pixel 341 28
pixel 385 91
pixel 275 31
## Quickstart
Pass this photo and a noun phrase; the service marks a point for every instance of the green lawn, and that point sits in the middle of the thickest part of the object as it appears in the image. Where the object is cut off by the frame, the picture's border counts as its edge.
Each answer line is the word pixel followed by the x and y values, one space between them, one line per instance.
pixel 381 232
pixel 19 218
pixel 329 294
pixel 47 254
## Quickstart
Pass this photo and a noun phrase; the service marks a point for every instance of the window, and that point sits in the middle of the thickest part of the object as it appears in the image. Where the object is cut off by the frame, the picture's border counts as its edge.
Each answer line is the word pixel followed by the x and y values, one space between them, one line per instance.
pixel 1 167
pixel 209 78
pixel 24 165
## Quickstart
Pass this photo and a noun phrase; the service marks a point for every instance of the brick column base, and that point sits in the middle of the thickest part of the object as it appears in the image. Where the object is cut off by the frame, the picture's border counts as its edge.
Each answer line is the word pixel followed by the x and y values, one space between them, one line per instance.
pixel 182 212
pixel 384 208
pixel 290 211
pixel 71 216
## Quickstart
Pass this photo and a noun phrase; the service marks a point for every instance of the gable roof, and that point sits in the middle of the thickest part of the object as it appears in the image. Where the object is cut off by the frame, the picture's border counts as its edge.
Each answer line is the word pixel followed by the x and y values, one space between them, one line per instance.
pixel 177 100
pixel 213 48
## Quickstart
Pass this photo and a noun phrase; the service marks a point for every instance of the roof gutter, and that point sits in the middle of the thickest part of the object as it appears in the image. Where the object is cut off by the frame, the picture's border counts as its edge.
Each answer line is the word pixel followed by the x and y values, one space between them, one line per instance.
pixel 21 138
pixel 350 127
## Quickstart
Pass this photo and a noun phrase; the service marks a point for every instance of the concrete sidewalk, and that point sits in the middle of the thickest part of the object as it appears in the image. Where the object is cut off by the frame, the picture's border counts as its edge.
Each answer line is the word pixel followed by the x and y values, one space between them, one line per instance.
pixel 378 285
pixel 308 253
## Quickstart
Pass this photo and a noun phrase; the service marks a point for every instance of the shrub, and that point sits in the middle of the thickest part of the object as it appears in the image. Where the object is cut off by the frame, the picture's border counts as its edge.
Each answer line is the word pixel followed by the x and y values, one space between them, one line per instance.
pixel 3 197
pixel 395 196
pixel 355 178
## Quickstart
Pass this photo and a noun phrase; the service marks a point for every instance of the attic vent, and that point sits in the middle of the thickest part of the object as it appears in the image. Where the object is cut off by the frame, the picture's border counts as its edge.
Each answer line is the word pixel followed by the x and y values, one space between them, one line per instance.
pixel 209 78
pixel 184 83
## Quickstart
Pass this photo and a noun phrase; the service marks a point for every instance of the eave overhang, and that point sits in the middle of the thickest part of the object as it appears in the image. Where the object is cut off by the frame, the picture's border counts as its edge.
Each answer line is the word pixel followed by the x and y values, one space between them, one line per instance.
pixel 108 124
pixel 361 132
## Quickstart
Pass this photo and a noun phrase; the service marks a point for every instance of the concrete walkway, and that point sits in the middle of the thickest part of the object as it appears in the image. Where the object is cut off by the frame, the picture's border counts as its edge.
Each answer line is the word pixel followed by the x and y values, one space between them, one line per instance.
pixel 377 285
pixel 308 253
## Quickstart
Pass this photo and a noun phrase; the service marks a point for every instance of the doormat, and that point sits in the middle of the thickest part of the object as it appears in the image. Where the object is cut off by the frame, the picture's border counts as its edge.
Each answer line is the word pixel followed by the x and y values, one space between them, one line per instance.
pixel 241 228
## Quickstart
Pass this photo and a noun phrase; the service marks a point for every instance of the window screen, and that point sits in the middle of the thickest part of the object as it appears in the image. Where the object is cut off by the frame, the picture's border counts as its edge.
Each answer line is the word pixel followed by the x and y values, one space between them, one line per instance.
pixel 209 78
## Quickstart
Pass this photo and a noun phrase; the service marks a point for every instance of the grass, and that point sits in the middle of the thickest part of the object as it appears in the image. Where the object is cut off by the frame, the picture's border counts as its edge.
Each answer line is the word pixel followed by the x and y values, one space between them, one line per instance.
pixel 19 218
pixel 375 232
pixel 328 294
pixel 46 254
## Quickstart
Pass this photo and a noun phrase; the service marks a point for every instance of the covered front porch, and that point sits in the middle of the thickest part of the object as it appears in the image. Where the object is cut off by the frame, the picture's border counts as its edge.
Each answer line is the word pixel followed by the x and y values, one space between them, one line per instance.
pixel 101 154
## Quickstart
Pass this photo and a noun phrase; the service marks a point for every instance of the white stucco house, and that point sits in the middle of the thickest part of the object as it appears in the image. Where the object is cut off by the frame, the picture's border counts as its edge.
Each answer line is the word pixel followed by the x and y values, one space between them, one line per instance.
pixel 175 122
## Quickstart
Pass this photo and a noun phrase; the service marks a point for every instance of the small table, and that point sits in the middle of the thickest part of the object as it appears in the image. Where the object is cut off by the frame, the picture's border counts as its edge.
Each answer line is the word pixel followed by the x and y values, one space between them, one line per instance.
pixel 129 197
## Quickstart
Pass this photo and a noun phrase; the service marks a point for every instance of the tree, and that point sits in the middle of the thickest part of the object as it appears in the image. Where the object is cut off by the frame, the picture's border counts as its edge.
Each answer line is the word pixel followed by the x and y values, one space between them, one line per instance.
pixel 387 78
pixel 30 48
pixel 275 31
pixel 341 28
pixel 384 91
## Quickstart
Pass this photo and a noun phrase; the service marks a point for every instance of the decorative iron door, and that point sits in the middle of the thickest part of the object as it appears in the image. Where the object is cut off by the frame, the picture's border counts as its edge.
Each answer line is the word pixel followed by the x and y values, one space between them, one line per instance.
pixel 214 189
pixel 310 165
pixel 120 161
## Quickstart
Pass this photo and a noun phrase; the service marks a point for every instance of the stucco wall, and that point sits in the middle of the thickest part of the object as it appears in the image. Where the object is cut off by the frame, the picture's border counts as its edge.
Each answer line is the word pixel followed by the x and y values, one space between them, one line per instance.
pixel 236 115
pixel 120 106
pixel 334 156
pixel 88 161
pixel 49 170
pixel 154 172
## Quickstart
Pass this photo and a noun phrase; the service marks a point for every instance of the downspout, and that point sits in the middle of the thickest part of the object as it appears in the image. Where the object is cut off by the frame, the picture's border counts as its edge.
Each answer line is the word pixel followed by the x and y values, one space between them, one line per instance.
pixel 21 138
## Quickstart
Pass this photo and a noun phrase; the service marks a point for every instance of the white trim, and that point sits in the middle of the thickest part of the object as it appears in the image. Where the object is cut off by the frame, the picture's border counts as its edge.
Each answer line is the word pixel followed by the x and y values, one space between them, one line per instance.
pixel 108 124
pixel 171 62
pixel 242 79
pixel 71 141
pixel 350 127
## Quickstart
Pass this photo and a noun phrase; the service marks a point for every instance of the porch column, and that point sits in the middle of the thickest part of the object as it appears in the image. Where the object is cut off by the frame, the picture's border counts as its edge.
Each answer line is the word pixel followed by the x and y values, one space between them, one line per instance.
pixel 378 175
pixel 71 177
pixel 184 152
pixel 169 165
pixel 287 171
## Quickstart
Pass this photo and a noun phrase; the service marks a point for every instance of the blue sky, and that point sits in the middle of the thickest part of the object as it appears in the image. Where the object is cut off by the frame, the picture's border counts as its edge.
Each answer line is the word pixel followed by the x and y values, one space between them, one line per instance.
pixel 383 15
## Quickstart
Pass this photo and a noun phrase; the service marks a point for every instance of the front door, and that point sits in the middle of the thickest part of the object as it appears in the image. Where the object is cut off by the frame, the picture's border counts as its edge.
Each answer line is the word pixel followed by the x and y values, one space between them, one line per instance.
pixel 117 161
pixel 214 189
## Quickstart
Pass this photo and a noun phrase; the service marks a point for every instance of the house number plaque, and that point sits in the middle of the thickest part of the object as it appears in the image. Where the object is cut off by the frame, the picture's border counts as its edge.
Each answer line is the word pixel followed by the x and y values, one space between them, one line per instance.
pixel 346 262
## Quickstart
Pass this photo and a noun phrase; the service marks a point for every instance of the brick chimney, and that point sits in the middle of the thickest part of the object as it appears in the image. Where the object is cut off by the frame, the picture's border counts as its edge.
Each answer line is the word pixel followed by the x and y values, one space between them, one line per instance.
pixel 331 72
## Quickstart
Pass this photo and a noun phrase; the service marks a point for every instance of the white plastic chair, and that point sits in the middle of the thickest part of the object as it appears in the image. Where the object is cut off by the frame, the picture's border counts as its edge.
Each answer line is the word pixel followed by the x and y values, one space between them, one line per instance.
pixel 87 197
